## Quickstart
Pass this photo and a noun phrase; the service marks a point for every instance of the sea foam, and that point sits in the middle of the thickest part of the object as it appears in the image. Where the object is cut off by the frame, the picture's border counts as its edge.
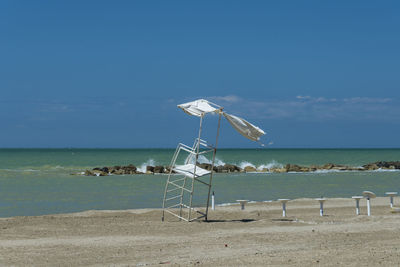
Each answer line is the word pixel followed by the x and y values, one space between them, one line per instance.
pixel 244 164
pixel 272 164
pixel 149 162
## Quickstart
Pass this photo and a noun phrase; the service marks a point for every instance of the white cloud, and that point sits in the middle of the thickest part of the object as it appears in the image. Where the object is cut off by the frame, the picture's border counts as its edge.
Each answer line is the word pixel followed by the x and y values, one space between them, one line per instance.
pixel 227 99
pixel 303 97
pixel 354 100
pixel 310 108
pixel 316 99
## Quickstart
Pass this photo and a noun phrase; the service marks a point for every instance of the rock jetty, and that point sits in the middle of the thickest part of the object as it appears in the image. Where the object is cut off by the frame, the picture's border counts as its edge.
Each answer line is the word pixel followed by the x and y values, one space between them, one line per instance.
pixel 229 168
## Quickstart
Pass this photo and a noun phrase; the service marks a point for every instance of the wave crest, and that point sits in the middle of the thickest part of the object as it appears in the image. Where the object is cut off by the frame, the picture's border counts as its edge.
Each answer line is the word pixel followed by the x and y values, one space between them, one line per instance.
pixel 270 165
pixel 143 167
pixel 244 164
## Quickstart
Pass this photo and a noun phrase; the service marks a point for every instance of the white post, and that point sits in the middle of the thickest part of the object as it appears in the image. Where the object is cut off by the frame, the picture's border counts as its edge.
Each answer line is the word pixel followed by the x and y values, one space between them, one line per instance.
pixel 212 164
pixel 321 206
pixel 213 201
pixel 357 199
pixel 391 195
pixel 368 195
pixel 368 207
pixel 283 209
pixel 357 206
pixel 242 203
pixel 283 201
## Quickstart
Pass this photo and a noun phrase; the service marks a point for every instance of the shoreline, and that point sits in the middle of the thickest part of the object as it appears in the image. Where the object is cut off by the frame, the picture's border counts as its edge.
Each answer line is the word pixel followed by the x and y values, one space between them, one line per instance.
pixel 224 206
pixel 251 204
pixel 256 236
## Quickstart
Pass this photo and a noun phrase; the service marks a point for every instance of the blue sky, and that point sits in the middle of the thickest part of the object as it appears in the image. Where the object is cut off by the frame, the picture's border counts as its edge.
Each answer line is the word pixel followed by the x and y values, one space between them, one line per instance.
pixel 110 73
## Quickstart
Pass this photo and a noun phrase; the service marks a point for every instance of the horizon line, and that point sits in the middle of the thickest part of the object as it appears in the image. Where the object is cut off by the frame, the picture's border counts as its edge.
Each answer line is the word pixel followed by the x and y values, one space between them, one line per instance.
pixel 217 148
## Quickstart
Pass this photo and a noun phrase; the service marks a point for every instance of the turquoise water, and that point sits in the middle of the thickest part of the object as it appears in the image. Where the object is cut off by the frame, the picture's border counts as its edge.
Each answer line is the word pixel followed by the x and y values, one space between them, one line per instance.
pixel 39 181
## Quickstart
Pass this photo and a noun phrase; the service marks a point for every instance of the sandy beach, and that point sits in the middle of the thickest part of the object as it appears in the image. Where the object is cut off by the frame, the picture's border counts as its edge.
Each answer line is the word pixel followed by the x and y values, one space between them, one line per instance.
pixel 257 236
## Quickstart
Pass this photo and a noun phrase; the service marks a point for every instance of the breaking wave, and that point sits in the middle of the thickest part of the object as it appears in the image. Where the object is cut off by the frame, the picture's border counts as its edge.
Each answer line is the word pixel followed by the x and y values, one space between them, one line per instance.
pixel 269 165
pixel 272 164
pixel 149 162
pixel 244 164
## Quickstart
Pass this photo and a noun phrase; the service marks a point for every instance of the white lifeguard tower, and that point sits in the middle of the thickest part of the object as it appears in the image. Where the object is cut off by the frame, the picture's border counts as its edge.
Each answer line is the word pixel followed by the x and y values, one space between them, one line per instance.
pixel 179 189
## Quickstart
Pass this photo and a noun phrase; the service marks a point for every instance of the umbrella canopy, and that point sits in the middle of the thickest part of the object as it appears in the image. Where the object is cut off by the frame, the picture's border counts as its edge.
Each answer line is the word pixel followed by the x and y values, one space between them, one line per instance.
pixel 198 107
pixel 244 127
pixel 201 107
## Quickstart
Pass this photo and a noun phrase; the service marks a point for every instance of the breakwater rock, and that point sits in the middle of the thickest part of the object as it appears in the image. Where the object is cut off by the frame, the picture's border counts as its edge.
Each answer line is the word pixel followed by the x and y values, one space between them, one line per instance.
pixel 229 168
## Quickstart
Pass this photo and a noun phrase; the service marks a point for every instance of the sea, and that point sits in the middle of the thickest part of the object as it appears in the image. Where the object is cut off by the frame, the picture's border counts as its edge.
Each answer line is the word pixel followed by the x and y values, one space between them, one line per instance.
pixel 45 181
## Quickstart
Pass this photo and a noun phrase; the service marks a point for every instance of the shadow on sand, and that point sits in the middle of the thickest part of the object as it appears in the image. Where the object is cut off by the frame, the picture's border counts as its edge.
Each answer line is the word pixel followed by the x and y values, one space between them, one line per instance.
pixel 242 220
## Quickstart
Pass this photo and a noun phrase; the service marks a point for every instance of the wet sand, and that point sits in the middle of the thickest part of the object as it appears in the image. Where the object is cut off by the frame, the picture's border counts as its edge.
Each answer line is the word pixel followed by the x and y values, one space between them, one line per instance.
pixel 257 236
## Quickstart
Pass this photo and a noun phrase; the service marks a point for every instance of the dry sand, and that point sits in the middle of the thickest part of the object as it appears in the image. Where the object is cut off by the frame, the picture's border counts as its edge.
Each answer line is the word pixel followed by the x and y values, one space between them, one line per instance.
pixel 256 236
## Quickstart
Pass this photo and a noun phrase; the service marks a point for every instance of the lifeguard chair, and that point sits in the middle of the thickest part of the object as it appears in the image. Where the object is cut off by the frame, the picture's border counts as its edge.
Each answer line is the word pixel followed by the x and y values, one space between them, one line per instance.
pixel 179 189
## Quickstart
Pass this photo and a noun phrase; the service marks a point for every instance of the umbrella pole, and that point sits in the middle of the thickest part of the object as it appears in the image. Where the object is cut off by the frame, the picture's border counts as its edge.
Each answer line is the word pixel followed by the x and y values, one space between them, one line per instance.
pixel 212 164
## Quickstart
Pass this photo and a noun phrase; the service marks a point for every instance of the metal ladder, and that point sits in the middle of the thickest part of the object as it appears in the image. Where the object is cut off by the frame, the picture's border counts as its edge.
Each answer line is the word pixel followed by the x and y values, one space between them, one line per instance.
pixel 179 189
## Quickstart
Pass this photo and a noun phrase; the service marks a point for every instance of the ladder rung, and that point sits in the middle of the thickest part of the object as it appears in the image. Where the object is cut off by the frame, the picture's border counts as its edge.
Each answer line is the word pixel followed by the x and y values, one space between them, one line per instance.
pixel 179 187
pixel 172 190
pixel 177 180
pixel 171 198
pixel 188 150
pixel 173 206
pixel 174 184
pixel 185 146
